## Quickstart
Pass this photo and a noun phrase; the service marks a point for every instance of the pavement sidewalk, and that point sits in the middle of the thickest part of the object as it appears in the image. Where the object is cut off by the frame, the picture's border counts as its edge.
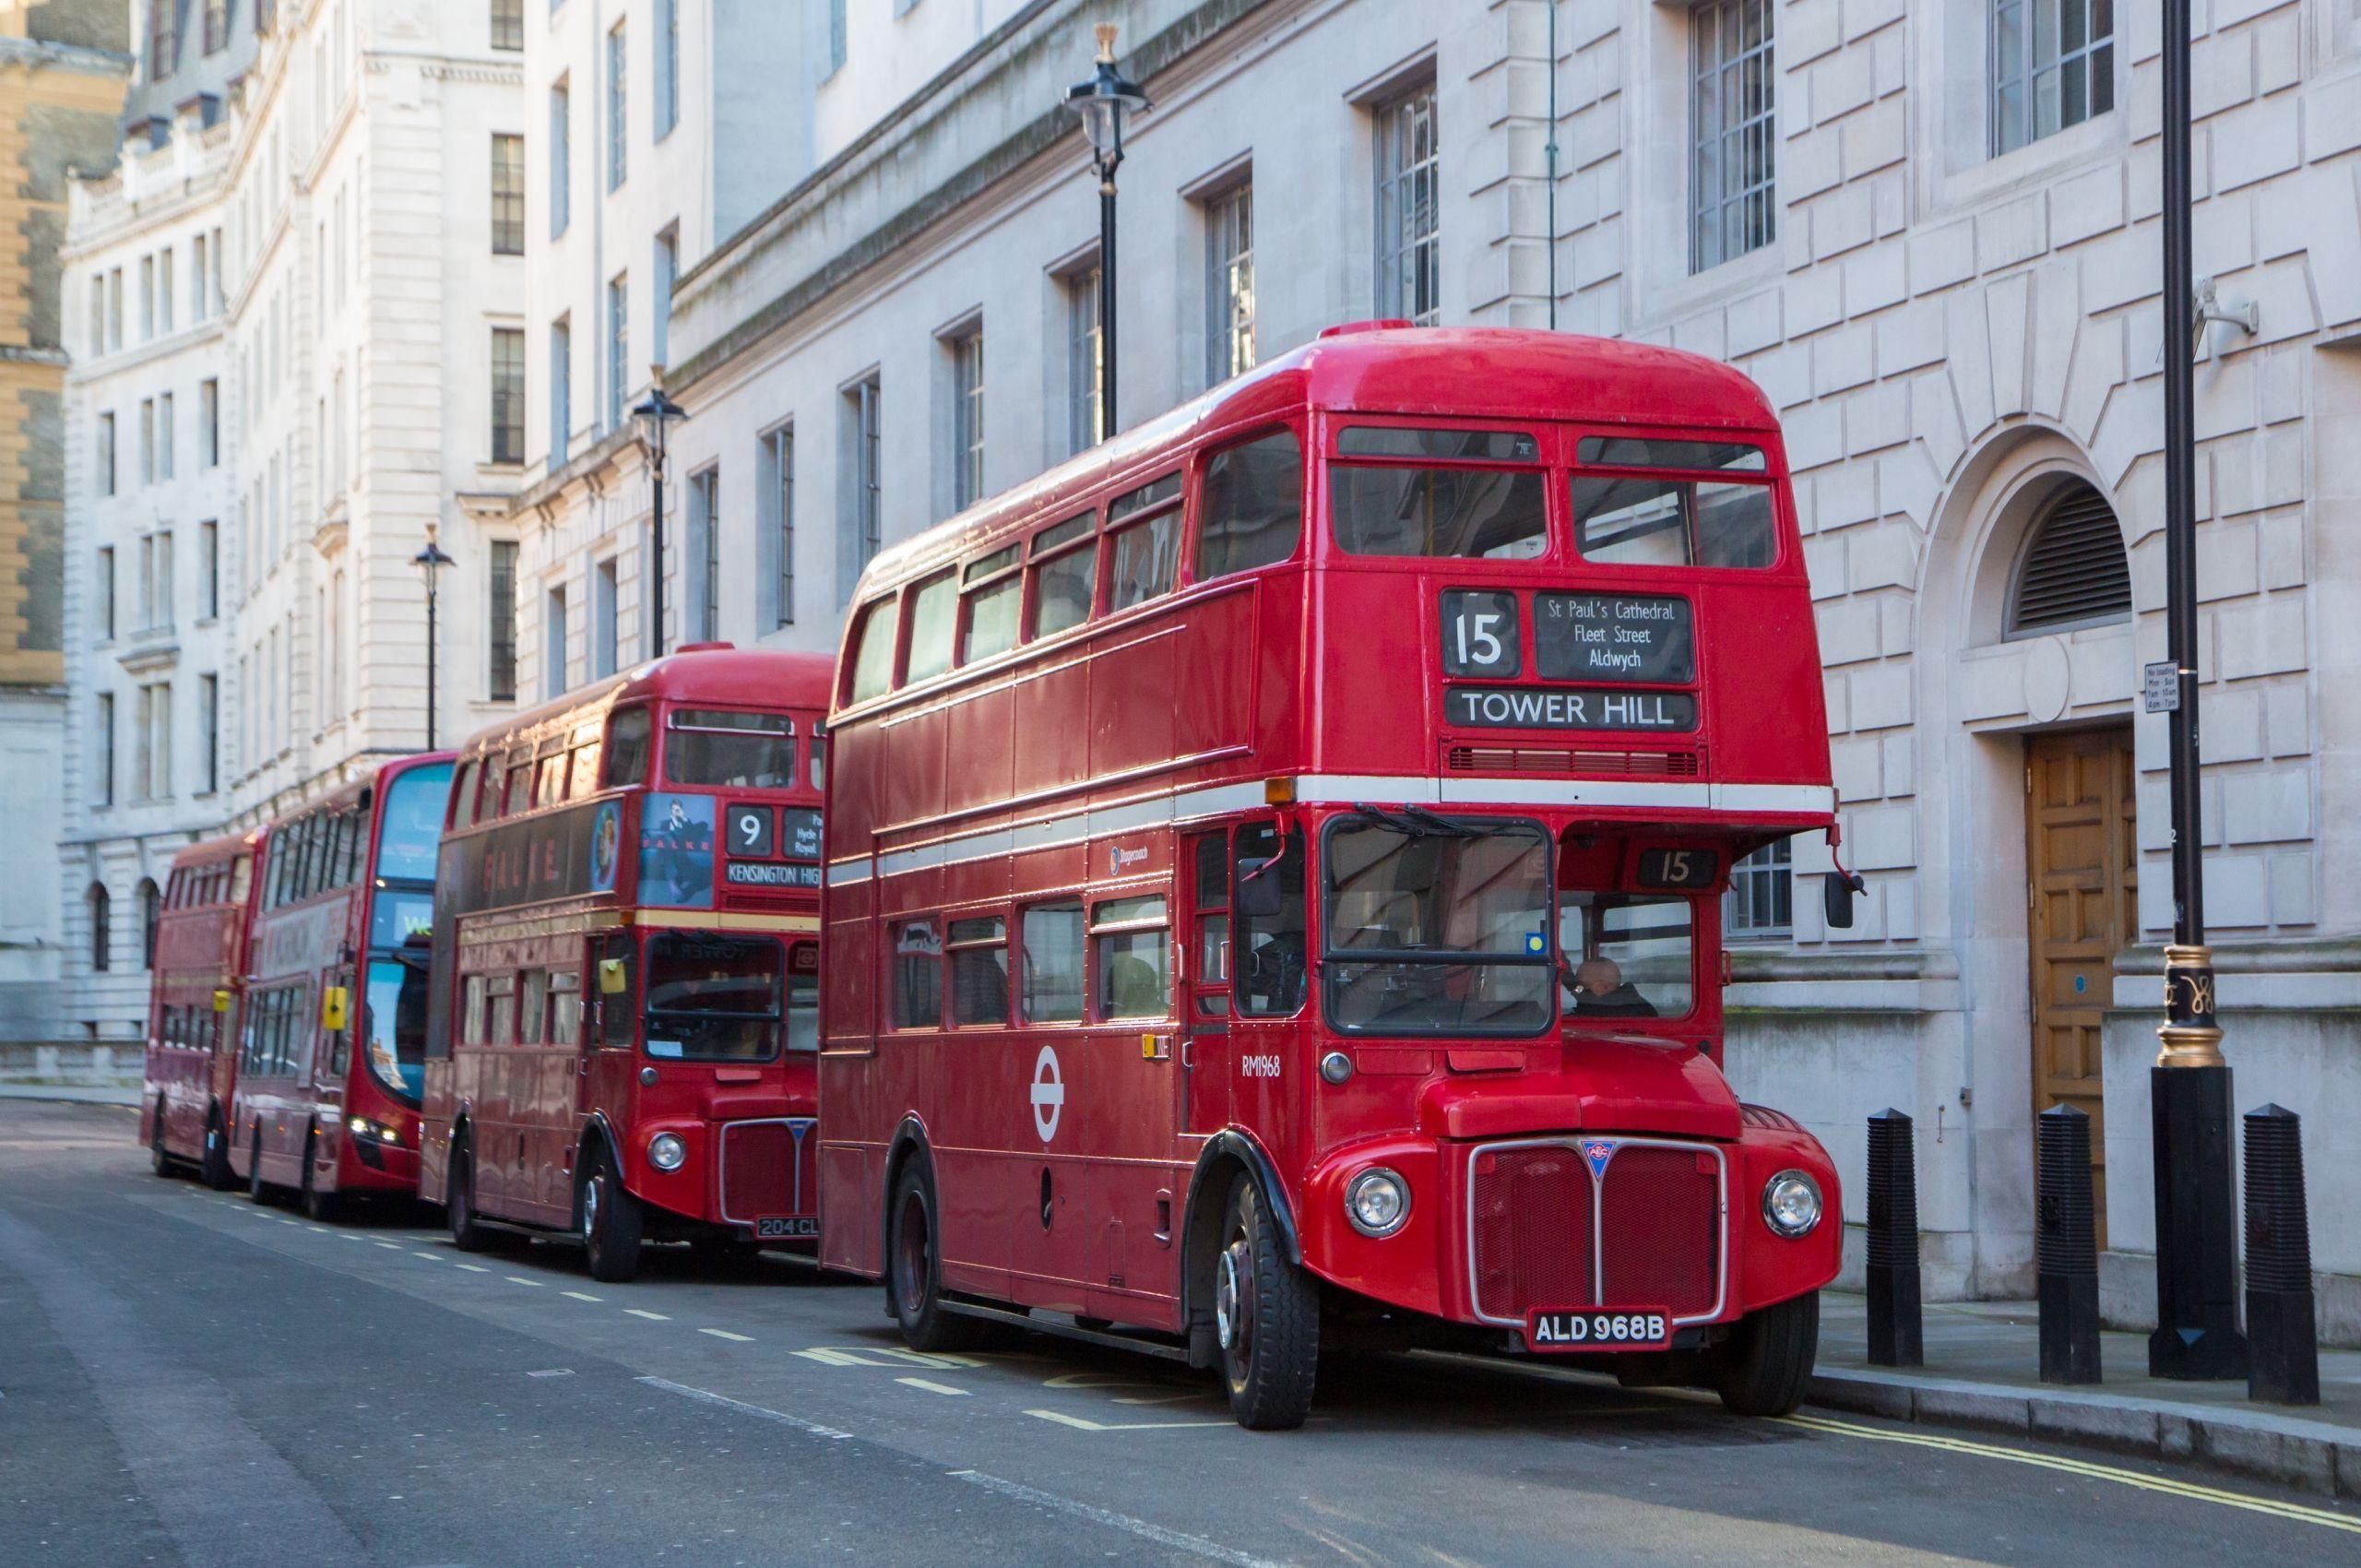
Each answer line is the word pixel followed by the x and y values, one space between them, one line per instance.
pixel 75 1094
pixel 1983 1370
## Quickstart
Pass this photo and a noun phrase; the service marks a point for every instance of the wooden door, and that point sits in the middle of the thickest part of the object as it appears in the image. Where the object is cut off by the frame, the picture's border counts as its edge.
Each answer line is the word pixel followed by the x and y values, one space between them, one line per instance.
pixel 2082 861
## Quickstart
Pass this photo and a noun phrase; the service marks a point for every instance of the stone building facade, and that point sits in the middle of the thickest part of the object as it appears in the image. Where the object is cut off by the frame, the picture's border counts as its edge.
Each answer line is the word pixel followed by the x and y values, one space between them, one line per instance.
pixel 1927 228
pixel 321 213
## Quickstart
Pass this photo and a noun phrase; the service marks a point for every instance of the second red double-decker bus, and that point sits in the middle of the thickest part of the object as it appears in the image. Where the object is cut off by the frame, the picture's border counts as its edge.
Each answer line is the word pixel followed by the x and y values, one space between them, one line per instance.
pixel 333 1019
pixel 1273 877
pixel 625 998
pixel 192 1003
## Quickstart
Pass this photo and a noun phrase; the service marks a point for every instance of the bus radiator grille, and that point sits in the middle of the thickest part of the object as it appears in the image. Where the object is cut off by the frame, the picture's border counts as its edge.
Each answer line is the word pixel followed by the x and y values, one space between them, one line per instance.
pixel 767 1169
pixel 1660 1229
pixel 1559 759
pixel 1531 1230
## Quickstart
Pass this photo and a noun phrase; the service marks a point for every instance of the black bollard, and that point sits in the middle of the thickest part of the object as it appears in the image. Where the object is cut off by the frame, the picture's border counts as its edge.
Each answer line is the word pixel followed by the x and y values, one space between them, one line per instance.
pixel 1895 1336
pixel 2066 1247
pixel 2283 1351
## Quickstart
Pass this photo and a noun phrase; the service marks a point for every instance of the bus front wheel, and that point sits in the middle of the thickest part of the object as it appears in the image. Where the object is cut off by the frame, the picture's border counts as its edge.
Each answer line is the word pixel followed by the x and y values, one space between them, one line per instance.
pixel 159 1162
pixel 257 1190
pixel 1764 1367
pixel 611 1224
pixel 1266 1318
pixel 459 1201
pixel 914 1268
pixel 319 1206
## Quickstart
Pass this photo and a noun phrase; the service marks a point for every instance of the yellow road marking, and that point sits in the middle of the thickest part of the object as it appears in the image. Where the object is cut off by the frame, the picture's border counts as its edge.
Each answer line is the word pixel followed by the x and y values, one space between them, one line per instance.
pixel 2090 1469
pixel 930 1385
pixel 653 1318
pixel 1082 1424
pixel 725 1334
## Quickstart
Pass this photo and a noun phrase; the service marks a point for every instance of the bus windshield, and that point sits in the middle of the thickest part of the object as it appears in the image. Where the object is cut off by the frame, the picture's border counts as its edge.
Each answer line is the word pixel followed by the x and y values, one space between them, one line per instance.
pixel 396 1019
pixel 712 748
pixel 1628 956
pixel 413 822
pixel 1437 926
pixel 713 998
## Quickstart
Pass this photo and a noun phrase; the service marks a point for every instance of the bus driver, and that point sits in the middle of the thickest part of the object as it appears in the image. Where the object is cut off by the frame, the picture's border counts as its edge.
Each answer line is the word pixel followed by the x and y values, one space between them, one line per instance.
pixel 1601 991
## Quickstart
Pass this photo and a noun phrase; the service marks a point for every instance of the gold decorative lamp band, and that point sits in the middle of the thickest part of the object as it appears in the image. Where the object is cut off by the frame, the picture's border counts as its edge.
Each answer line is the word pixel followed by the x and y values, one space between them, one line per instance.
pixel 2191 1036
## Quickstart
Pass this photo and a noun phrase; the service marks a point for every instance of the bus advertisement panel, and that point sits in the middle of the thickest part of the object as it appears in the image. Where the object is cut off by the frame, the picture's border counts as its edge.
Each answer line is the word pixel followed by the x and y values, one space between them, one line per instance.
pixel 191 1009
pixel 1274 874
pixel 622 1014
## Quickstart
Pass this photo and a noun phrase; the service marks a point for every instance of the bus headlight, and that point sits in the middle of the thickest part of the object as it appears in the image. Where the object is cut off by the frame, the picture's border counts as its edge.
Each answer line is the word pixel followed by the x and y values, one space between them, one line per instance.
pixel 1377 1201
pixel 667 1152
pixel 1791 1204
pixel 375 1132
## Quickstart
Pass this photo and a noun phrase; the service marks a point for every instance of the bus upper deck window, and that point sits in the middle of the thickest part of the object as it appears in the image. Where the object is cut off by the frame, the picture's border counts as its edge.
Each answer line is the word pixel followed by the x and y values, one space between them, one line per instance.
pixel 934 614
pixel 413 828
pixel 1144 559
pixel 818 748
pixel 995 589
pixel 626 757
pixel 715 748
pixel 1065 574
pixel 1661 521
pixel 873 660
pixel 1250 513
pixel 1464 512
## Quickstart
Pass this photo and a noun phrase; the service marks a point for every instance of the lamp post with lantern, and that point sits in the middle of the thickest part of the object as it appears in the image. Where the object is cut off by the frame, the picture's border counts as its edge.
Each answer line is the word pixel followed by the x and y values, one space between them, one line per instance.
pixel 1104 102
pixel 430 563
pixel 652 419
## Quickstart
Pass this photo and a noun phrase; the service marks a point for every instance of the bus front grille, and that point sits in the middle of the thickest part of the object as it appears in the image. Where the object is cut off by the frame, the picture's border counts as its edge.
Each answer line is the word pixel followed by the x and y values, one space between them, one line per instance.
pixel 1596 1222
pixel 767 1170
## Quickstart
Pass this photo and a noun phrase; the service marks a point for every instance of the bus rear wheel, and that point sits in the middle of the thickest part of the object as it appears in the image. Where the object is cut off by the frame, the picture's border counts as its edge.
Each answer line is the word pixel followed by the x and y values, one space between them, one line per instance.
pixel 214 1169
pixel 318 1206
pixel 1266 1319
pixel 612 1225
pixel 157 1160
pixel 1764 1367
pixel 914 1268
pixel 459 1201
pixel 257 1190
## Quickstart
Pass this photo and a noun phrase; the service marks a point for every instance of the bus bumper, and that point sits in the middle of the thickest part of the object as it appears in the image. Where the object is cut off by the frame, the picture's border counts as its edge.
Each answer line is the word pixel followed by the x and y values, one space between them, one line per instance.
pixel 756 1173
pixel 1501 1228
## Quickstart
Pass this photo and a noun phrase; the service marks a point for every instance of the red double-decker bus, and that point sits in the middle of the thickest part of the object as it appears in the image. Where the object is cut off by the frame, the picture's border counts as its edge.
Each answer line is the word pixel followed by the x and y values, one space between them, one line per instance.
pixel 191 1000
pixel 333 1020
pixel 624 1009
pixel 1274 874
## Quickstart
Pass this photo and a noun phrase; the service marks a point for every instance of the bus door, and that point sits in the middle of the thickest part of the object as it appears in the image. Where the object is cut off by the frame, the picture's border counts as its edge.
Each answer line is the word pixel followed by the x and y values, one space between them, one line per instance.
pixel 563 1078
pixel 1130 1096
pixel 1204 1028
pixel 333 1060
pixel 1268 1067
pixel 605 1064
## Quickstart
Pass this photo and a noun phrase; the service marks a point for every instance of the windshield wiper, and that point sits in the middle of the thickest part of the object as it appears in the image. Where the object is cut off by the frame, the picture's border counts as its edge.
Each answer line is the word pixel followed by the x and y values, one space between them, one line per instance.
pixel 1418 822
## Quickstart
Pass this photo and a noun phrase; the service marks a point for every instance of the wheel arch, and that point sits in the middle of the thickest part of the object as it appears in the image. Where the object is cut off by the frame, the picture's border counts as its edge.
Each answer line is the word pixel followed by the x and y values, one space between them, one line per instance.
pixel 910 1142
pixel 598 1136
pixel 1227 1156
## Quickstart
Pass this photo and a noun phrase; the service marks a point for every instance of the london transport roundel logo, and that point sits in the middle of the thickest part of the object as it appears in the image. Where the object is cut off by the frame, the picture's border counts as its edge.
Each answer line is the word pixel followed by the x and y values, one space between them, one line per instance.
pixel 1049 1094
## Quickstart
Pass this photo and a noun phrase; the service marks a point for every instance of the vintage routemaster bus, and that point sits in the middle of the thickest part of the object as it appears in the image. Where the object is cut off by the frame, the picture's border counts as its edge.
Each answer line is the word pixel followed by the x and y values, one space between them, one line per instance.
pixel 625 1011
pixel 192 1008
pixel 1274 872
pixel 333 1034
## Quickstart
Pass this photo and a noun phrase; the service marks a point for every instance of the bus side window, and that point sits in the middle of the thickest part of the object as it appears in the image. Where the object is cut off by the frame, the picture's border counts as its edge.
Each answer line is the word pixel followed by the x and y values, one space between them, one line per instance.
pixel 533 989
pixel 624 760
pixel 873 660
pixel 1251 511
pixel 614 981
pixel 471 1025
pixel 1272 957
pixel 803 997
pixel 1052 957
pixel 565 1008
pixel 918 975
pixel 978 970
pixel 462 804
pixel 1210 984
pixel 500 1026
pixel 1133 939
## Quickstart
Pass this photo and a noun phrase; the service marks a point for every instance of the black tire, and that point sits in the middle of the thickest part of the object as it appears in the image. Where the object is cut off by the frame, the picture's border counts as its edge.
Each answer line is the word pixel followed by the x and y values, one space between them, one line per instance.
pixel 1764 1368
pixel 157 1160
pixel 257 1190
pixel 321 1207
pixel 914 1267
pixel 1266 1320
pixel 612 1224
pixel 214 1169
pixel 459 1201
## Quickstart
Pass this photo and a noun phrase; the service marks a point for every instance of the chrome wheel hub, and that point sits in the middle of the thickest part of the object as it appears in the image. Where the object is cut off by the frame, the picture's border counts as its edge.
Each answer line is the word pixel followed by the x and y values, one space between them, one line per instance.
pixel 1229 1319
pixel 590 1207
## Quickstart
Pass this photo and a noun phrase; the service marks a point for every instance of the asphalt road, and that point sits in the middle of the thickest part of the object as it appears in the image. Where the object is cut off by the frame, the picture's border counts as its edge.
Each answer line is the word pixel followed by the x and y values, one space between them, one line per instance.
pixel 186 1378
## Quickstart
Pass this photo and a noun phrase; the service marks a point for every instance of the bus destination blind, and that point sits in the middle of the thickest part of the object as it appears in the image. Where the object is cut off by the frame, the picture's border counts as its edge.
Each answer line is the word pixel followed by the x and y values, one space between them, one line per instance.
pixel 1645 638
pixel 1536 707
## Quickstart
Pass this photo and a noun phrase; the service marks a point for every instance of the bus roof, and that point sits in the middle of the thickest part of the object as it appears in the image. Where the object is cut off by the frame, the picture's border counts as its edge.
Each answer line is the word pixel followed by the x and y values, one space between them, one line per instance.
pixel 213 851
pixel 1456 372
pixel 715 672
pixel 352 789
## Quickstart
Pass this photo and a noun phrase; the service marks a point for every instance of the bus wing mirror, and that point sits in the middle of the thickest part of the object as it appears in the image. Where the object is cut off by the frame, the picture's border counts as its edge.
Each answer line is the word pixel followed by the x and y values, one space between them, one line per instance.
pixel 612 980
pixel 336 1008
pixel 1836 890
pixel 1257 892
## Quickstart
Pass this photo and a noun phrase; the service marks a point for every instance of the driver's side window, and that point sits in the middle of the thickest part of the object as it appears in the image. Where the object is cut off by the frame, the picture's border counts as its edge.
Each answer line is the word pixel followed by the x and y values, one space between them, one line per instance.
pixel 614 987
pixel 1626 955
pixel 1270 960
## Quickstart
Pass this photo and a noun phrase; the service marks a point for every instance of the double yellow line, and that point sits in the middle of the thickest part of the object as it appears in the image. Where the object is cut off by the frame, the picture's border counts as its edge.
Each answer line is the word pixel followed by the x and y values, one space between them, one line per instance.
pixel 2090 1470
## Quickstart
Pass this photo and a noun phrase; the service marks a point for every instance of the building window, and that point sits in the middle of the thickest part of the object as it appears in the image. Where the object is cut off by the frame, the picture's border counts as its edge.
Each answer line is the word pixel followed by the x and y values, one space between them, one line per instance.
pixel 147 440
pixel 151 909
pixel 101 911
pixel 507 395
pixel 777 480
pixel 668 67
pixel 668 271
pixel 1733 139
pixel 209 568
pixel 1229 283
pixel 2053 65
pixel 618 142
pixel 1760 904
pixel 603 591
pixel 2073 571
pixel 835 35
pixel 966 419
pixel 114 309
pixel 106 592
pixel 164 42
pixel 1086 364
pixel 98 340
pixel 1409 249
pixel 208 698
pixel 863 513
pixel 507 195
pixel 618 348
pixel 200 293
pixel 105 456
pixel 500 659
pixel 553 645
pixel 104 791
pixel 705 541
pixel 164 435
pixel 561 391
pixel 209 422
pixel 561 156
pixel 154 774
pixel 147 298
pixel 508 24
pixel 217 25
pixel 164 288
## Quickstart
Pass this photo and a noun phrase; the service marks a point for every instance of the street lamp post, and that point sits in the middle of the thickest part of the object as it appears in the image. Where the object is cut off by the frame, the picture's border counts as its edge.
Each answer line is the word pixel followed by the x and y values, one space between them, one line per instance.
pixel 430 563
pixel 1104 102
pixel 2197 1312
pixel 652 419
